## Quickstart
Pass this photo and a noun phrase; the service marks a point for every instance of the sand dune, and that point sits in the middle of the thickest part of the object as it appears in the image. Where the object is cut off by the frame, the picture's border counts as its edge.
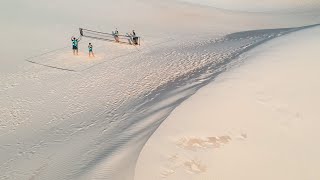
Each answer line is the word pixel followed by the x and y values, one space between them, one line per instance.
pixel 274 6
pixel 75 117
pixel 258 120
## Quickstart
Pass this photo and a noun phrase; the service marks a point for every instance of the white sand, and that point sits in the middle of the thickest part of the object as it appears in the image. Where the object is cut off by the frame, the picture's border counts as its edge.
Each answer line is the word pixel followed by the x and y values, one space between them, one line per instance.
pixel 91 121
pixel 257 121
pixel 261 6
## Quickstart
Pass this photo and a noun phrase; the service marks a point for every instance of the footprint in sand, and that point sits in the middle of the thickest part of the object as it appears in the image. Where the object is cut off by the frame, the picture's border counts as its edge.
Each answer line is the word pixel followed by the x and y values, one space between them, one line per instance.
pixel 203 143
pixel 195 167
pixel 167 173
pixel 179 161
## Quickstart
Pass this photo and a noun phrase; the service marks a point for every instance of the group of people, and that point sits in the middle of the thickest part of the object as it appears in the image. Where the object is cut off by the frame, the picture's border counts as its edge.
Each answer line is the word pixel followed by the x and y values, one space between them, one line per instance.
pixel 133 39
pixel 75 41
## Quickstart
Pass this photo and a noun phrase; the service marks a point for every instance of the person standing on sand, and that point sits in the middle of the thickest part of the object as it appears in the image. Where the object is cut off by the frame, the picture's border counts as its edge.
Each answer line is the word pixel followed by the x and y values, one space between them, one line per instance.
pixel 116 35
pixel 90 47
pixel 116 32
pixel 134 38
pixel 75 43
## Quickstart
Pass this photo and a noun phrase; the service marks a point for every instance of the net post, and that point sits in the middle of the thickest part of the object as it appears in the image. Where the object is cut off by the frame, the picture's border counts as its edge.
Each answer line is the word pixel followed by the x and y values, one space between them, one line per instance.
pixel 81 32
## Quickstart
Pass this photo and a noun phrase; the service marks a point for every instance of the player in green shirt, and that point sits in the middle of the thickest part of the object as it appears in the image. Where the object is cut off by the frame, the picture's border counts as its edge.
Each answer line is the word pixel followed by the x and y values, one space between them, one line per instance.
pixel 75 43
pixel 90 48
